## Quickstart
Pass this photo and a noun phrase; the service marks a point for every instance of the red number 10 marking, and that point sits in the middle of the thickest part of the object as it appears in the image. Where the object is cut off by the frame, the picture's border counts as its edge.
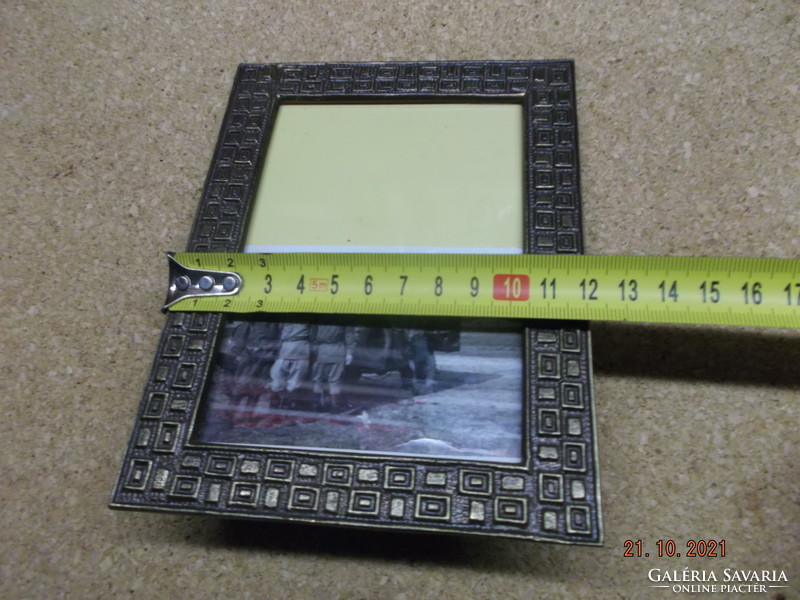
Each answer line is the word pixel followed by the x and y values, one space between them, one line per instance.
pixel 511 287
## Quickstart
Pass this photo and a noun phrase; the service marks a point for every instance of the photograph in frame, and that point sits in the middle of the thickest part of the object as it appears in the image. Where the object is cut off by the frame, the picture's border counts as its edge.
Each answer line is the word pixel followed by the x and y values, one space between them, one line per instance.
pixel 368 387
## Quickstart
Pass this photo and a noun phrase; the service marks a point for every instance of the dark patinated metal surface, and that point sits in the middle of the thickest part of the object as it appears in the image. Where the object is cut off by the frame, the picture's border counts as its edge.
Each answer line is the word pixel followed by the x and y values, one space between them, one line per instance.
pixel 552 496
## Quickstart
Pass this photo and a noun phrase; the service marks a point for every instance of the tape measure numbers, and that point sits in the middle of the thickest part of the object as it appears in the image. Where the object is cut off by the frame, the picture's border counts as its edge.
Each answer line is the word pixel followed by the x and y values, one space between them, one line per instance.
pixel 723 291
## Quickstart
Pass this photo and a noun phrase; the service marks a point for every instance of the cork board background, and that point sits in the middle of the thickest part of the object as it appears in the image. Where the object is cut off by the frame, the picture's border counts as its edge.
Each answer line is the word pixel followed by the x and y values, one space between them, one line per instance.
pixel 690 145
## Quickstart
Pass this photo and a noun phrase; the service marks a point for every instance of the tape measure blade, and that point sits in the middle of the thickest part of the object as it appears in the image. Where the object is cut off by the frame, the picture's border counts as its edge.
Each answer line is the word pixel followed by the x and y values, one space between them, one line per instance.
pixel 732 291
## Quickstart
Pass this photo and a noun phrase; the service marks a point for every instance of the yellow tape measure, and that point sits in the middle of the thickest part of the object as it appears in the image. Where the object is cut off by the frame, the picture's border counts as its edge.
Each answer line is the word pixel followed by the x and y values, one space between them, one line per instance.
pixel 721 291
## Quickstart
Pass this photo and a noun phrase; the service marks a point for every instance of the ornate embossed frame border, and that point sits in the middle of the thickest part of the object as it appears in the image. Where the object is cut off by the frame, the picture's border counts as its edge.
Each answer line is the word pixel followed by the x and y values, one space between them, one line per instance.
pixel 553 495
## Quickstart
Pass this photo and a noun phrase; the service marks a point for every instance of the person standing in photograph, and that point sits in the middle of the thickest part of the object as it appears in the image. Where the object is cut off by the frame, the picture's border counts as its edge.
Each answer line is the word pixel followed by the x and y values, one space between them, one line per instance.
pixel 420 374
pixel 329 347
pixel 291 367
pixel 252 376
pixel 225 394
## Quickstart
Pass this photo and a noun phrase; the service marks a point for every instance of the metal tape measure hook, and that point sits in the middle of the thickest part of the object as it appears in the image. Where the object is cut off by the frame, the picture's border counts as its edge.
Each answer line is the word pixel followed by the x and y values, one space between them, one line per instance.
pixel 188 282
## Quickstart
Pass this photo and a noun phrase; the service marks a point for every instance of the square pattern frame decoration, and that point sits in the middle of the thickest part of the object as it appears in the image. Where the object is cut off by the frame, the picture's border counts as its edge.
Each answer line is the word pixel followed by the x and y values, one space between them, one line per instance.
pixel 552 495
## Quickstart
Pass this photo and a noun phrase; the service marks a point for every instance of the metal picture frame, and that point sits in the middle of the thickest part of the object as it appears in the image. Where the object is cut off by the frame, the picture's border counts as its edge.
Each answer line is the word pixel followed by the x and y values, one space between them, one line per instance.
pixel 553 494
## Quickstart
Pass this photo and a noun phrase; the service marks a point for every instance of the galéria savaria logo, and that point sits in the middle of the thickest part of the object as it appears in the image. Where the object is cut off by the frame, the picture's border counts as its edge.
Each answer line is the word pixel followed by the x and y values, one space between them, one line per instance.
pixel 716 581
